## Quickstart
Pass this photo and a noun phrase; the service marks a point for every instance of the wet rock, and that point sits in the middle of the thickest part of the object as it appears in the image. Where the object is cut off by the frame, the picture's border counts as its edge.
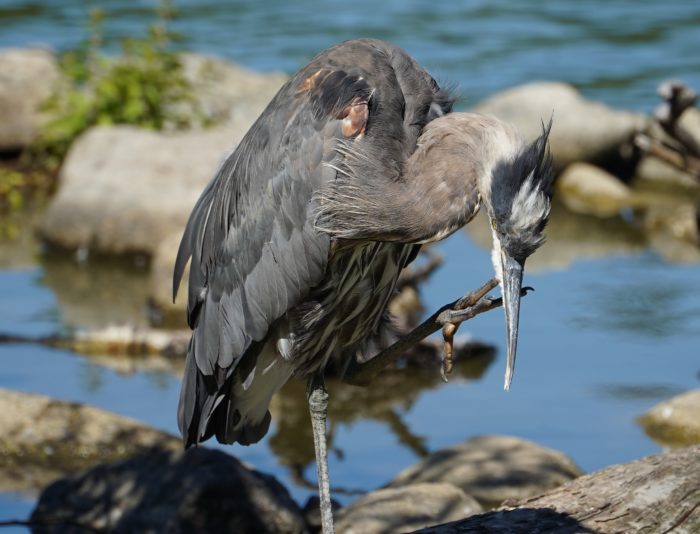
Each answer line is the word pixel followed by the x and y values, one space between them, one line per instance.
pixel 201 490
pixel 123 189
pixel 493 468
pixel 44 438
pixel 406 508
pixel 655 494
pixel 585 188
pixel 582 130
pixel 27 77
pixel 675 422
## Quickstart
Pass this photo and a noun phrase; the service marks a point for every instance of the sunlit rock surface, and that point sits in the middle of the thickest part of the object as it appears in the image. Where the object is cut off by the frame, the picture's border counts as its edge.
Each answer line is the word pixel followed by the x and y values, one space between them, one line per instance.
pixel 27 78
pixel 493 468
pixel 658 493
pixel 123 189
pixel 582 130
pixel 406 508
pixel 44 438
pixel 585 188
pixel 675 422
pixel 202 490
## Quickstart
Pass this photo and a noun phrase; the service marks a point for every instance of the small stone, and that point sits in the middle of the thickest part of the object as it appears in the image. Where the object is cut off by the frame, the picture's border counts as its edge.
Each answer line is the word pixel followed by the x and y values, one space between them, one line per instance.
pixel 493 469
pixel 406 508
pixel 675 422
pixel 585 188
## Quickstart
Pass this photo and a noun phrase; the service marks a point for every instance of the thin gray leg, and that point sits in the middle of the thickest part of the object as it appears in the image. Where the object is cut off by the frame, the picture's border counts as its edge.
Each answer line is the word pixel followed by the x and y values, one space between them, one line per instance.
pixel 318 406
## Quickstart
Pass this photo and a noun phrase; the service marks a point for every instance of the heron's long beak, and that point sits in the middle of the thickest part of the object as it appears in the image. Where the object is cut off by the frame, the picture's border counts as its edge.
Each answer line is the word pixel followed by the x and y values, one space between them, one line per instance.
pixel 512 281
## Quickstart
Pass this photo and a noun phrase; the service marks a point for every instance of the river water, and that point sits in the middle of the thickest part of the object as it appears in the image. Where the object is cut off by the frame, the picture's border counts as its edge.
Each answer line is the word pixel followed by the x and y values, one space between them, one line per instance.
pixel 612 328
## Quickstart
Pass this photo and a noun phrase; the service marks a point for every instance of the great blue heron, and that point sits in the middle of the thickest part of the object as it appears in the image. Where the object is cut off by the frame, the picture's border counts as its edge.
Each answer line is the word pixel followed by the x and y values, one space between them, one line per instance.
pixel 298 241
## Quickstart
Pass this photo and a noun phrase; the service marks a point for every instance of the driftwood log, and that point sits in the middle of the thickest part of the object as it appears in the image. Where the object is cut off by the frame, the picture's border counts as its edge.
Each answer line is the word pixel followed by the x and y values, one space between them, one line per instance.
pixel 658 494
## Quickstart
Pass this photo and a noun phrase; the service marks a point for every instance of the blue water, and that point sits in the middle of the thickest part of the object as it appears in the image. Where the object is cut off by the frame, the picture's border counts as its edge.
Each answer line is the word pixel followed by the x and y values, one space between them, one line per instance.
pixel 601 340
pixel 616 51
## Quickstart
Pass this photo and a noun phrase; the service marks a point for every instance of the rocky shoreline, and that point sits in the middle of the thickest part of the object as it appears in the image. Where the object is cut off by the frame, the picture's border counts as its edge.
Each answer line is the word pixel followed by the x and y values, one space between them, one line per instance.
pixel 125 191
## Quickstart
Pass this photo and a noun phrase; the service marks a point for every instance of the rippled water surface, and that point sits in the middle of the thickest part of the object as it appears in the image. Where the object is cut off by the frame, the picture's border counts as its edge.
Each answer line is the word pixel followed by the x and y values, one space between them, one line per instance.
pixel 614 324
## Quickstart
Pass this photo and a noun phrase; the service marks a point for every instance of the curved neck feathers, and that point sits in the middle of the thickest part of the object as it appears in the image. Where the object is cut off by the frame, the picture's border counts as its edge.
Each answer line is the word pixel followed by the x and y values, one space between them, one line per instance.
pixel 437 191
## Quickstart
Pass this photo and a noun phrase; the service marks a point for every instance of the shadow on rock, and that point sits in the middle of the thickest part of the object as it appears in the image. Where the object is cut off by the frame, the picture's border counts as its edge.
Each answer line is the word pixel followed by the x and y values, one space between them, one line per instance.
pixel 201 490
pixel 520 521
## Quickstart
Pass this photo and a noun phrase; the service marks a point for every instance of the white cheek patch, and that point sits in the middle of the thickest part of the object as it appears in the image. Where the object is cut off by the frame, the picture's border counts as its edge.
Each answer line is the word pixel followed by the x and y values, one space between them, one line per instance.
pixel 496 258
pixel 529 205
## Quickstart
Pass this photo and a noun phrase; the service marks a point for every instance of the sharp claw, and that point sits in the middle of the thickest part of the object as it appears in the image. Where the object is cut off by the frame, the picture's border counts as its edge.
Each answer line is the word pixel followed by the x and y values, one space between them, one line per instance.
pixel 448 332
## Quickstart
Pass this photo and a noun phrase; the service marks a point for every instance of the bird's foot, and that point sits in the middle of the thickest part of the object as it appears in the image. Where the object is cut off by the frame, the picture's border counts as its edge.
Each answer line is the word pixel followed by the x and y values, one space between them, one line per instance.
pixel 464 309
pixel 450 320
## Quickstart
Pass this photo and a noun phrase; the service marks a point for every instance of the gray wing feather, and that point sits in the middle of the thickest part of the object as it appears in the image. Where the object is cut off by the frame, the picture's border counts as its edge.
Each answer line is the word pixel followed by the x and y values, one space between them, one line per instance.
pixel 255 252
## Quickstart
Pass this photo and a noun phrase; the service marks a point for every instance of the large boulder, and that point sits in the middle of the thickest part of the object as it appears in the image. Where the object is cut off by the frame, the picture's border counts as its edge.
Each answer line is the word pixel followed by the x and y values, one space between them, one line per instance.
pixel 406 508
pixel 202 490
pixel 493 468
pixel 44 438
pixel 123 189
pixel 27 78
pixel 582 130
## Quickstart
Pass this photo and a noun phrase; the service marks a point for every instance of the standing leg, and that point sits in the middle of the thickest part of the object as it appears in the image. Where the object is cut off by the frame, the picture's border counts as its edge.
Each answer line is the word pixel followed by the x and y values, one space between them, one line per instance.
pixel 318 406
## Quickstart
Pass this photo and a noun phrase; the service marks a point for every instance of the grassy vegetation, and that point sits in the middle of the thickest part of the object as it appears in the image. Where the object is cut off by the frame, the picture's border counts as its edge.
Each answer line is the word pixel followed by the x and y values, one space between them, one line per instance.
pixel 143 86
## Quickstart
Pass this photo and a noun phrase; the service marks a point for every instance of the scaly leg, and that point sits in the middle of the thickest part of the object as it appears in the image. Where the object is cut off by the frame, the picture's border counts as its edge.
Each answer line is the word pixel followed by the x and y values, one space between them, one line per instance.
pixel 318 406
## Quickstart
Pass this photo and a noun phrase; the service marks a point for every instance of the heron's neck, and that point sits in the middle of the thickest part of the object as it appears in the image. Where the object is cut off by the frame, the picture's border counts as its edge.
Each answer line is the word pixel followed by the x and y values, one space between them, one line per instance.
pixel 458 159
pixel 438 191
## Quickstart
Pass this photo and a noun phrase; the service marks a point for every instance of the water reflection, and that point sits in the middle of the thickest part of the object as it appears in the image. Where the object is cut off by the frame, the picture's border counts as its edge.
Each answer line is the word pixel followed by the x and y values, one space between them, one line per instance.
pixel 638 308
pixel 386 401
pixel 651 392
pixel 99 292
pixel 572 237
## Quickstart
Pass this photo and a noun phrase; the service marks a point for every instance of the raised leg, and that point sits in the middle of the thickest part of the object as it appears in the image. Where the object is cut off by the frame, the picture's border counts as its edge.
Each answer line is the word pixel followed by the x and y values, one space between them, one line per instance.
pixel 318 406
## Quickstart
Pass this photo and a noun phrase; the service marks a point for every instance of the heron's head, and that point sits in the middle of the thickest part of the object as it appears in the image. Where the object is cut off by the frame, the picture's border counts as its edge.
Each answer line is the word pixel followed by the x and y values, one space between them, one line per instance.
pixel 518 200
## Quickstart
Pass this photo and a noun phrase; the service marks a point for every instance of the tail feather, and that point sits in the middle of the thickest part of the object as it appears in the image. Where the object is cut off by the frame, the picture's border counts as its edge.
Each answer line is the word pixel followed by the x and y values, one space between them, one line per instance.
pixel 235 410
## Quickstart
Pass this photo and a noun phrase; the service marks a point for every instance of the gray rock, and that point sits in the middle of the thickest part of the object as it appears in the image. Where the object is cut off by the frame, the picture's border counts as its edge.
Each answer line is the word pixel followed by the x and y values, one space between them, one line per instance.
pixel 675 422
pixel 27 78
pixel 582 130
pixel 406 508
pixel 201 490
pixel 493 468
pixel 44 438
pixel 657 494
pixel 585 188
pixel 123 189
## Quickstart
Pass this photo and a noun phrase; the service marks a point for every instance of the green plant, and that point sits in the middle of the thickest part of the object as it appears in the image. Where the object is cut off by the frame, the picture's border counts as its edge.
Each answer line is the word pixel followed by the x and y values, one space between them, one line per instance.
pixel 144 86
